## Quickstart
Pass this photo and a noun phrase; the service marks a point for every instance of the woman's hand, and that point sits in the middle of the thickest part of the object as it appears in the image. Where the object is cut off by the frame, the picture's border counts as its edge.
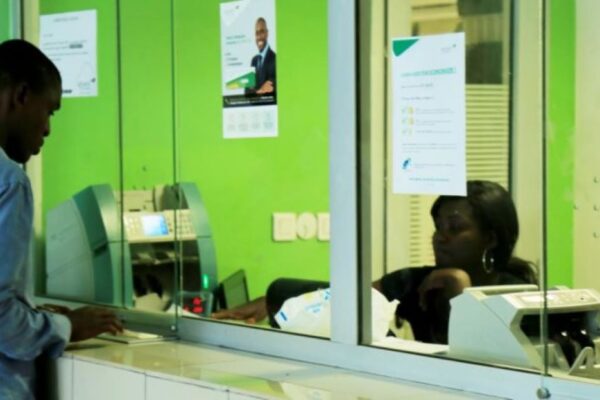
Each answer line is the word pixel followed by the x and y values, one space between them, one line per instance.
pixel 251 313
pixel 449 282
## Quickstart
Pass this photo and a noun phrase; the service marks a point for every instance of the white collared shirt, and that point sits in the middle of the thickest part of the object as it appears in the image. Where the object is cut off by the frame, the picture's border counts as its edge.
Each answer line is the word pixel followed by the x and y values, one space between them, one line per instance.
pixel 25 332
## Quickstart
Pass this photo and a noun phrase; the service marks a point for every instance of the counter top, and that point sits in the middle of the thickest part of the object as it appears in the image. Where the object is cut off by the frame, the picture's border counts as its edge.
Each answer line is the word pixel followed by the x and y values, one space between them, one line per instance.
pixel 250 374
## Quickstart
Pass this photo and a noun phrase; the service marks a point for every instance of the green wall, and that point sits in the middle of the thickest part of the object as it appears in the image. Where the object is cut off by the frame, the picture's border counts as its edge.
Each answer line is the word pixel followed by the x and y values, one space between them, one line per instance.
pixel 242 181
pixel 5 20
pixel 147 93
pixel 560 141
pixel 83 147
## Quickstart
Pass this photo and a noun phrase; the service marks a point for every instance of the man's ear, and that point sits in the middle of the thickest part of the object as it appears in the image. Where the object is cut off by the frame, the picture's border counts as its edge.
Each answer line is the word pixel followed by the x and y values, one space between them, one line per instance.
pixel 20 94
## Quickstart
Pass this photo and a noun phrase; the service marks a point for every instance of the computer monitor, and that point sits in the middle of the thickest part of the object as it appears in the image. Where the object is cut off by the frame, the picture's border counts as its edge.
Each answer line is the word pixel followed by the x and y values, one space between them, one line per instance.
pixel 233 290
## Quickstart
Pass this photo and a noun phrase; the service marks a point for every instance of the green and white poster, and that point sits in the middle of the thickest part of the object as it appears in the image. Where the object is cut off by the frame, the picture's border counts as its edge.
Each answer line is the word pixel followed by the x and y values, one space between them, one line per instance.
pixel 428 115
pixel 70 41
pixel 249 70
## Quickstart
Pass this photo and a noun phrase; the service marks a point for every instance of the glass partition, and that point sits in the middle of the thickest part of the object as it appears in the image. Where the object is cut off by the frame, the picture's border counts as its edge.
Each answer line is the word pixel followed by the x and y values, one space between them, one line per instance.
pixel 149 192
pixel 252 138
pixel 203 172
pixel 195 183
pixel 108 177
pixel 443 255
pixel 81 170
pixel 7 20
pixel 572 190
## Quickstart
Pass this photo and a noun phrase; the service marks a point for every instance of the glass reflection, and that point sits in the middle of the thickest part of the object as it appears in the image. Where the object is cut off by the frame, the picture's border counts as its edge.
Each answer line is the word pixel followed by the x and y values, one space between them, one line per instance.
pixel 572 190
pixel 264 182
pixel 81 255
pixel 432 268
pixel 109 196
pixel 149 195
pixel 83 247
pixel 473 242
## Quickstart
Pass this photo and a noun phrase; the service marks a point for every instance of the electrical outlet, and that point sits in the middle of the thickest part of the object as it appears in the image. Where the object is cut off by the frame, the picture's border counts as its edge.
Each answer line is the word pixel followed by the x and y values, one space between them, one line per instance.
pixel 284 227
pixel 306 226
pixel 323 226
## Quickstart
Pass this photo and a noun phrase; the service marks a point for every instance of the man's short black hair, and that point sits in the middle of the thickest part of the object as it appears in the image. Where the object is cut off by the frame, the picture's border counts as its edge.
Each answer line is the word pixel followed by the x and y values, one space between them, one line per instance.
pixel 261 19
pixel 21 61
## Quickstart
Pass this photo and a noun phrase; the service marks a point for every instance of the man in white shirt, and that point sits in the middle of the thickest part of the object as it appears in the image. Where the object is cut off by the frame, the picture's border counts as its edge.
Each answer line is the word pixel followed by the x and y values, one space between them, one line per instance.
pixel 30 91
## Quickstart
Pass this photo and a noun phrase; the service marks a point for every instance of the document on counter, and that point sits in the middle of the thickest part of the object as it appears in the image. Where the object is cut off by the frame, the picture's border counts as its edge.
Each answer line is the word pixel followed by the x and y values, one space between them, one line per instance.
pixel 133 337
pixel 69 40
pixel 428 115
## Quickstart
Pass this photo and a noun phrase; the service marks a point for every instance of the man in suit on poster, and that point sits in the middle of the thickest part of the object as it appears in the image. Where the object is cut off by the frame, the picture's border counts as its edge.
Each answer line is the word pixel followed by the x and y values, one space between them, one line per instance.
pixel 264 62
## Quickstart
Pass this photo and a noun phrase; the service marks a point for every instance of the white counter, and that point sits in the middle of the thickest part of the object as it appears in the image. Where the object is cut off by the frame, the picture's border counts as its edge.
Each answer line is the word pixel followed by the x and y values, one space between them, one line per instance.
pixel 98 369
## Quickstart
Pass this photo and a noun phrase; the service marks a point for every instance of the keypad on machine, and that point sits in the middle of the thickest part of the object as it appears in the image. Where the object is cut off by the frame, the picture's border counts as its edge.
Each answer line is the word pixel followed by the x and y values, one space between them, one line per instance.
pixel 184 226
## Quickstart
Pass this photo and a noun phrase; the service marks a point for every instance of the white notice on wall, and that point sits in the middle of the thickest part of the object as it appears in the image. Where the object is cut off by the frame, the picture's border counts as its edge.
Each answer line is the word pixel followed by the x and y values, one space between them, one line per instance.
pixel 69 40
pixel 428 114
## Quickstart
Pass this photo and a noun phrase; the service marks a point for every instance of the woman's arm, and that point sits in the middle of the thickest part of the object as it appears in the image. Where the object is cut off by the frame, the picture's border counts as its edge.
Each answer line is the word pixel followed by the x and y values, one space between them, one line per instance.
pixel 435 292
pixel 277 293
pixel 251 312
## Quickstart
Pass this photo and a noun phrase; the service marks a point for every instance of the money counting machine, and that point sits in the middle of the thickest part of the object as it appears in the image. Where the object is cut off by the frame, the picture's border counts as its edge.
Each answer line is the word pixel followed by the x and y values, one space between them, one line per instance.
pixel 502 324
pixel 160 254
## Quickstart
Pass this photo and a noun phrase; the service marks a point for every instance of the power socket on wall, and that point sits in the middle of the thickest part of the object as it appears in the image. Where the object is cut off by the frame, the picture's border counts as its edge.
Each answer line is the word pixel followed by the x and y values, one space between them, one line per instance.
pixel 284 227
pixel 306 226
pixel 288 226
pixel 323 230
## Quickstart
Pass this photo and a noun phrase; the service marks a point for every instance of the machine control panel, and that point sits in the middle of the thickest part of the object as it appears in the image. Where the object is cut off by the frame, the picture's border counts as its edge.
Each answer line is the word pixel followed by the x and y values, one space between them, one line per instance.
pixel 558 299
pixel 161 226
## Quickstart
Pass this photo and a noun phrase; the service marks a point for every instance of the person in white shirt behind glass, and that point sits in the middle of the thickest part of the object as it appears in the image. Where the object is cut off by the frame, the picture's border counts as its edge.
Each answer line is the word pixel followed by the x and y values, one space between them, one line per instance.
pixel 30 92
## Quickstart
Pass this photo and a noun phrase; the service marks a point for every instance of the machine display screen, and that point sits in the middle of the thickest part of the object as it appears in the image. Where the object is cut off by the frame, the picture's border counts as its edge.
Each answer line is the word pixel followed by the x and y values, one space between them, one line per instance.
pixel 154 225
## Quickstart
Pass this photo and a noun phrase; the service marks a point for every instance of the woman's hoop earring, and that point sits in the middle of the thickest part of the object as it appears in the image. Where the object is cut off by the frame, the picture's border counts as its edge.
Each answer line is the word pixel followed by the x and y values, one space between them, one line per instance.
pixel 488 267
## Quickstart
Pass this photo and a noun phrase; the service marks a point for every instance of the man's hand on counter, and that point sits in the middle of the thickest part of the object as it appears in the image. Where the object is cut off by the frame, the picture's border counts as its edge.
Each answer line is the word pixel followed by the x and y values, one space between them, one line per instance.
pixel 88 322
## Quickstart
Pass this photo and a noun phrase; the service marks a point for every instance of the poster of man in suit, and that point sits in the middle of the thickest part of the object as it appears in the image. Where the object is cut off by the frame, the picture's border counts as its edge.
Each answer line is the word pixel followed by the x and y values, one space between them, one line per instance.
pixel 264 62
pixel 249 69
